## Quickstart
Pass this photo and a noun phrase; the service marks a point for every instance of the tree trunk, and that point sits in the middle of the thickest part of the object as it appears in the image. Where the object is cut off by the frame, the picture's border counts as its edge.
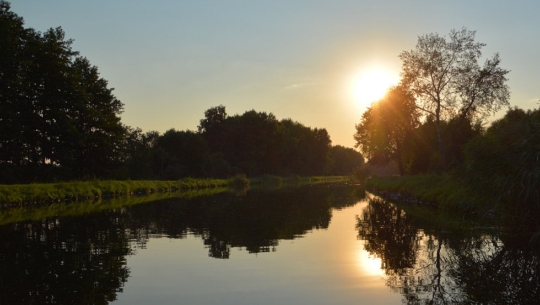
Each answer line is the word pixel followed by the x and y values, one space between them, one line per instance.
pixel 440 139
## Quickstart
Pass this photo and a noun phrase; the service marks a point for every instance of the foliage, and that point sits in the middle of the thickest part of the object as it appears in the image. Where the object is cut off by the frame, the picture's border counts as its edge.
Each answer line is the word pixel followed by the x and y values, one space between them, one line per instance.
pixel 256 143
pixel 344 160
pixel 81 190
pixel 445 76
pixel 386 128
pixel 505 161
pixel 59 119
pixel 440 190
pixel 422 154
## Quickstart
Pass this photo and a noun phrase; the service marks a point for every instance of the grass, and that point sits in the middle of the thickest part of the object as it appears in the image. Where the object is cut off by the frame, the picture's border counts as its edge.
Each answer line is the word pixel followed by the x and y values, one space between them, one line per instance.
pixel 440 190
pixel 277 181
pixel 448 193
pixel 39 201
pixel 23 194
pixel 30 194
pixel 61 209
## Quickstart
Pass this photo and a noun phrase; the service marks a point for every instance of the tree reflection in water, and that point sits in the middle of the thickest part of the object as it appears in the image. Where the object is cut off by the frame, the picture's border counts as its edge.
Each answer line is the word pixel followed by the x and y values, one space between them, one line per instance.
pixel 71 261
pixel 82 259
pixel 433 262
pixel 255 222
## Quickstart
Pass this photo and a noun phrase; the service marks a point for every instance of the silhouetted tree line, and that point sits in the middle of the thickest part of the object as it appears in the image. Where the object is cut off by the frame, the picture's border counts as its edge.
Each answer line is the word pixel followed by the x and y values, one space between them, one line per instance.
pixel 58 118
pixel 60 121
pixel 254 143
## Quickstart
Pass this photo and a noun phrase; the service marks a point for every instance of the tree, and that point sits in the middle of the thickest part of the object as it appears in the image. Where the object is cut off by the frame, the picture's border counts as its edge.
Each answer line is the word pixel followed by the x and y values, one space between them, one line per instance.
pixel 184 154
pixel 95 114
pixel 386 127
pixel 505 163
pixel 256 143
pixel 213 118
pixel 445 76
pixel 250 145
pixel 59 118
pixel 344 160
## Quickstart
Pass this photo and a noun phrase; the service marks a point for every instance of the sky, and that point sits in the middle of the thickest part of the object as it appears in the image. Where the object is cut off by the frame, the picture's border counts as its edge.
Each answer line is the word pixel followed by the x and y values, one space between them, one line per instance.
pixel 169 61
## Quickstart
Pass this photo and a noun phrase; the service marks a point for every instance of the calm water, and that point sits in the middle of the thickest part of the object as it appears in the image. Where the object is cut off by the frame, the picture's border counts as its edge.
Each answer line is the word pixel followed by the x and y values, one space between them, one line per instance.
pixel 328 244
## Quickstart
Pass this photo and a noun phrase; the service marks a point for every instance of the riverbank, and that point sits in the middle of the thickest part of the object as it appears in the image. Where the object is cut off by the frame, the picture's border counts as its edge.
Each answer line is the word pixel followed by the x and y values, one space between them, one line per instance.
pixel 46 193
pixel 436 190
pixel 447 193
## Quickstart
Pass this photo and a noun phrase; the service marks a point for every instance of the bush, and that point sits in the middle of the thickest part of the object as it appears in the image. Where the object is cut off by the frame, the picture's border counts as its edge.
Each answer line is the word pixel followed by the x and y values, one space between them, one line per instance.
pixel 505 161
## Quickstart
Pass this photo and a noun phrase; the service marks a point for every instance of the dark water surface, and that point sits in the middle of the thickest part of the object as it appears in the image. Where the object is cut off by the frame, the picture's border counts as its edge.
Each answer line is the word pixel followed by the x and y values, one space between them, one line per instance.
pixel 323 244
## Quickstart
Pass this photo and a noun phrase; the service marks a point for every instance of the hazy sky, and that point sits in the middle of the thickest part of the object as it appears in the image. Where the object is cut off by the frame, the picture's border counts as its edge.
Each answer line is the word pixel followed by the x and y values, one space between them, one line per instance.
pixel 169 61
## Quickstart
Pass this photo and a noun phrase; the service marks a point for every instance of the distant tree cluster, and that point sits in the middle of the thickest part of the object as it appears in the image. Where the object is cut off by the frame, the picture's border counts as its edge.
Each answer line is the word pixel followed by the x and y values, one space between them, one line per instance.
pixel 60 121
pixel 254 144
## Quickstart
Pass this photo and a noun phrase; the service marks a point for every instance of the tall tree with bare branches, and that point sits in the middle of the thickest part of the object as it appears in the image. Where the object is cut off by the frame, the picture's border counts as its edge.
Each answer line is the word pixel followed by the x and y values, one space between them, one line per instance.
pixel 445 76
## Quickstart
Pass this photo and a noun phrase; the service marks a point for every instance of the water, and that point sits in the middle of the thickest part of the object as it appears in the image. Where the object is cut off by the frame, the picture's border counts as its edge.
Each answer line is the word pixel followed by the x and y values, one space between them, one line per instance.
pixel 326 244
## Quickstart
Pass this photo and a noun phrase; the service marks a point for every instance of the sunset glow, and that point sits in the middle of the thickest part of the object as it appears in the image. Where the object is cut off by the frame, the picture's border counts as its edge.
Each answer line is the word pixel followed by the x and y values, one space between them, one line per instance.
pixel 369 265
pixel 371 85
pixel 172 60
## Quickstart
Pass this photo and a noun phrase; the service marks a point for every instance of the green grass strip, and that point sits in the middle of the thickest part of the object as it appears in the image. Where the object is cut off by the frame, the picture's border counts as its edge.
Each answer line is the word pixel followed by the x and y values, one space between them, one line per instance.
pixel 81 190
pixel 441 190
pixel 27 194
pixel 61 209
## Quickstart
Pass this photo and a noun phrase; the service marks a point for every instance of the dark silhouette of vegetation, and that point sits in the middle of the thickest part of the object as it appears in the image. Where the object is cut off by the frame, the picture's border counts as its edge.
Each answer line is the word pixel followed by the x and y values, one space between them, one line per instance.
pixel 504 164
pixel 424 123
pixel 253 144
pixel 59 118
pixel 387 128
pixel 445 76
pixel 343 159
pixel 60 121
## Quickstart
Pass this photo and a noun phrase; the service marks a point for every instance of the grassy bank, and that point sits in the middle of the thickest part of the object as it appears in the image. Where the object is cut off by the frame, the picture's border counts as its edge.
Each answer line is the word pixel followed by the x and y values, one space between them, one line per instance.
pixel 29 194
pixel 447 193
pixel 23 194
pixel 61 209
pixel 295 180
pixel 439 190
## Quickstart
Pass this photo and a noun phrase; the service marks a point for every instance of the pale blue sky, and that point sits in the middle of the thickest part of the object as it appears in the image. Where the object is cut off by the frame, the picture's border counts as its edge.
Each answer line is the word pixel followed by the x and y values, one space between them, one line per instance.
pixel 169 61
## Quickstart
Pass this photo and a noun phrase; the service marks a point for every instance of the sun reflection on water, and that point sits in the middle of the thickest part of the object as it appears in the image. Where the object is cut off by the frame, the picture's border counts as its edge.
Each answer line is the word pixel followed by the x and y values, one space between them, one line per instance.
pixel 369 265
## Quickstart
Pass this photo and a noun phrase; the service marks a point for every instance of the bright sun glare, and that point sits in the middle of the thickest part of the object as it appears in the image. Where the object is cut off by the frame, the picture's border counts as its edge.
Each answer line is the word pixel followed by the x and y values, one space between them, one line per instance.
pixel 371 85
pixel 370 266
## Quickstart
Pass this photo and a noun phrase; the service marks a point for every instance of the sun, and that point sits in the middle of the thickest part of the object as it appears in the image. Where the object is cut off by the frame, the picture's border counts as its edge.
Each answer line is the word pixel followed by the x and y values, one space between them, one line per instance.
pixel 371 85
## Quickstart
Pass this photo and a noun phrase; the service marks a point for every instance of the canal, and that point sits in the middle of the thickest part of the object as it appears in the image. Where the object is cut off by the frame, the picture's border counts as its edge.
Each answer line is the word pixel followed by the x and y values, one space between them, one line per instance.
pixel 318 244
